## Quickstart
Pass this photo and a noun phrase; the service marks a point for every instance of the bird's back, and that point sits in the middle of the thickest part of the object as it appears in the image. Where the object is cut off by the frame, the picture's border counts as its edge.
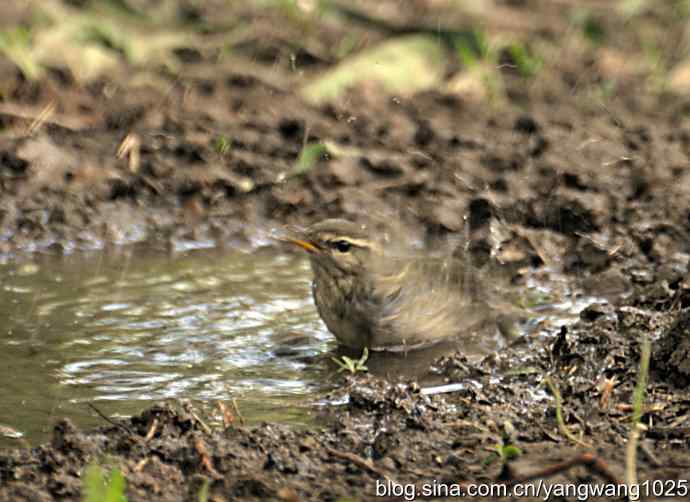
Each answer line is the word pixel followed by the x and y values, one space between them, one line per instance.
pixel 413 302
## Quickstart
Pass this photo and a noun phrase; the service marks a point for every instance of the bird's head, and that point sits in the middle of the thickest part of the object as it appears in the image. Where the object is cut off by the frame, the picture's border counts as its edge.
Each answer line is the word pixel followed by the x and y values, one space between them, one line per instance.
pixel 338 247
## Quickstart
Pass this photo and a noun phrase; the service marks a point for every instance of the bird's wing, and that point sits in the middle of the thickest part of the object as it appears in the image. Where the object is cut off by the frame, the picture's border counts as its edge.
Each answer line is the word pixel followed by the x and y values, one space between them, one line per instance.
pixel 413 302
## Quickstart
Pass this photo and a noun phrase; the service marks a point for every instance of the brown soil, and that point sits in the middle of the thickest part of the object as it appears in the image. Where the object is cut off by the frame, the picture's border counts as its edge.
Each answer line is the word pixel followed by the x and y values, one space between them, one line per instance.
pixel 593 184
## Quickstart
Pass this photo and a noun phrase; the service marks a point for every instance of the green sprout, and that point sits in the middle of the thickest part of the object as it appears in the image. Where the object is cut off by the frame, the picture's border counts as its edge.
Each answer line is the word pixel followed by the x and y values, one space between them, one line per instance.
pixel 353 365
pixel 508 451
pixel 222 145
pixel 308 157
pixel 480 58
pixel 202 496
pixel 527 64
pixel 505 449
pixel 504 453
pixel 473 49
pixel 98 488
pixel 636 427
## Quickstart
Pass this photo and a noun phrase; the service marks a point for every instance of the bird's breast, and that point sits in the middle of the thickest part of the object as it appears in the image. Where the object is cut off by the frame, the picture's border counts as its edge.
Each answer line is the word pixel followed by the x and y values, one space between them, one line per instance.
pixel 336 307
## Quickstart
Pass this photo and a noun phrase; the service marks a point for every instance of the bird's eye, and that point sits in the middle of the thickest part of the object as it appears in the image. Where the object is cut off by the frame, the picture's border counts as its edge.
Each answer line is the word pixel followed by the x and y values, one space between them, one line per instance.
pixel 341 246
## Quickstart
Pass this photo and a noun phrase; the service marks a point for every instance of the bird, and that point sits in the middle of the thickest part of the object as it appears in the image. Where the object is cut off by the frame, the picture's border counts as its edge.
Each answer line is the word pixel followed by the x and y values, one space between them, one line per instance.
pixel 371 295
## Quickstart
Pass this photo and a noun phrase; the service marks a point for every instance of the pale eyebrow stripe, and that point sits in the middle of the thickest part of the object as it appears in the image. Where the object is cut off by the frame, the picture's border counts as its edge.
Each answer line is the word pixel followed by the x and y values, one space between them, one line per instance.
pixel 361 243
pixel 356 242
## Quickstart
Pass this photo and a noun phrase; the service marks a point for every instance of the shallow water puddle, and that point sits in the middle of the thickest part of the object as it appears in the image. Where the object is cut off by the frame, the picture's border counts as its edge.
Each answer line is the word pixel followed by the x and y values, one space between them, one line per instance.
pixel 122 331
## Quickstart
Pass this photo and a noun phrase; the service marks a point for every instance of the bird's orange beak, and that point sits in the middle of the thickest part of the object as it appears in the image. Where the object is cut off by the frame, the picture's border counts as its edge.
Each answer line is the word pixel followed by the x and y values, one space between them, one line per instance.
pixel 293 235
pixel 308 246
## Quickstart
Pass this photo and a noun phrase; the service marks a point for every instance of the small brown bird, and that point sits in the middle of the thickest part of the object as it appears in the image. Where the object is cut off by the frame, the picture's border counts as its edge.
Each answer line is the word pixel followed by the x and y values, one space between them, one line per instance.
pixel 368 298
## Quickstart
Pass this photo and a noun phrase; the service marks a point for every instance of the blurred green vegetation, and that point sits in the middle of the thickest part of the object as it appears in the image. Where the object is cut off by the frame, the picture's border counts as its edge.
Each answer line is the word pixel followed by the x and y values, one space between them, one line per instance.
pixel 16 44
pixel 400 65
pixel 94 40
pixel 402 55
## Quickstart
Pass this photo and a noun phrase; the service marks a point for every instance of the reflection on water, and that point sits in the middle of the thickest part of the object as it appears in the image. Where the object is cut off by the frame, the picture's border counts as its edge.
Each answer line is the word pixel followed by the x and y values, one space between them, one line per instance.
pixel 123 331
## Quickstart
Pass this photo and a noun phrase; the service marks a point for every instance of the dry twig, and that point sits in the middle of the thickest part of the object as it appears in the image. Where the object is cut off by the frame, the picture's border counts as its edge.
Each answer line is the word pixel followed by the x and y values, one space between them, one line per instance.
pixel 47 112
pixel 152 430
pixel 131 147
pixel 589 460
pixel 366 465
pixel 228 417
pixel 110 420
pixel 237 411
pixel 200 448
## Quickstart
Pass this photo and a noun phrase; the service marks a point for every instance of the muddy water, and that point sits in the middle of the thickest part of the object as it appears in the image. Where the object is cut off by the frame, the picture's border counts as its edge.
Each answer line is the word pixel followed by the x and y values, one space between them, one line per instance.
pixel 123 330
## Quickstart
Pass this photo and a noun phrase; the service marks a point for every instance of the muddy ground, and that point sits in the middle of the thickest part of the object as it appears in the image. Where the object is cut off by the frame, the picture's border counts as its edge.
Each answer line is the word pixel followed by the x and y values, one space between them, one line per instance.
pixel 582 167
